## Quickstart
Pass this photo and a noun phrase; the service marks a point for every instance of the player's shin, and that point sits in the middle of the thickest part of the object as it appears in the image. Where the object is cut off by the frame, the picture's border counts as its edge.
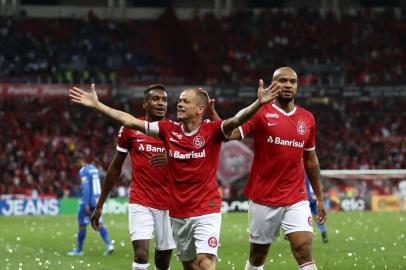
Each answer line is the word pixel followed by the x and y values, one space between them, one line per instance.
pixel 81 239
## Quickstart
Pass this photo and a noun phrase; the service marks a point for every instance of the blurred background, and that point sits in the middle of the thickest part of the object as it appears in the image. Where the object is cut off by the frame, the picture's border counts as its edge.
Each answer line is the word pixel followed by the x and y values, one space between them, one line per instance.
pixel 350 57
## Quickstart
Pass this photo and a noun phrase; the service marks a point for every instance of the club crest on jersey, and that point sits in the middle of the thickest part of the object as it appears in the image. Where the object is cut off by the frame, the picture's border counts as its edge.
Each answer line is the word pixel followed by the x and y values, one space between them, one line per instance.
pixel 301 128
pixel 212 242
pixel 198 141
pixel 310 221
pixel 272 115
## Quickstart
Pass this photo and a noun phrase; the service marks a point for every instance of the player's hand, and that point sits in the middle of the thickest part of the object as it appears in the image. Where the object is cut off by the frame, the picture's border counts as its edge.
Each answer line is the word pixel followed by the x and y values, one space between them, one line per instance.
pixel 158 160
pixel 211 111
pixel 268 94
pixel 322 217
pixel 94 219
pixel 88 99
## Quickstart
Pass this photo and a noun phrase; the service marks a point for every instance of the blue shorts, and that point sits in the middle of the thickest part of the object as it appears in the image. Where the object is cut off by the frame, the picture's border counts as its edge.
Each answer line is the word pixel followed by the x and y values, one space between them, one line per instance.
pixel 84 219
pixel 313 207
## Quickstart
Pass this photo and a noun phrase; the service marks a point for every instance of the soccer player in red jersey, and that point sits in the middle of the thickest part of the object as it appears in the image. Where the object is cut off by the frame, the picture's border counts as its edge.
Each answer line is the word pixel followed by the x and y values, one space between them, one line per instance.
pixel 149 195
pixel 193 148
pixel 284 148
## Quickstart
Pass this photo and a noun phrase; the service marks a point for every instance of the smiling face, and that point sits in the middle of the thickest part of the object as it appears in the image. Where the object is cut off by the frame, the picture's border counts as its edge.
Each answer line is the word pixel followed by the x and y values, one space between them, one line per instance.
pixel 287 79
pixel 191 104
pixel 156 104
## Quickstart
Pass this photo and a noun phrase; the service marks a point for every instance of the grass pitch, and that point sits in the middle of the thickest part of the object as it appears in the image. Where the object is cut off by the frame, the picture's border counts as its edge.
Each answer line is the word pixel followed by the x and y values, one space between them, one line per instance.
pixel 366 240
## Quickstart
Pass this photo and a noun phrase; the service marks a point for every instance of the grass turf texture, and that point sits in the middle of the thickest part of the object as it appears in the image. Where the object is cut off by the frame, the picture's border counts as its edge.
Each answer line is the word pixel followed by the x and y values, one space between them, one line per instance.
pixel 366 240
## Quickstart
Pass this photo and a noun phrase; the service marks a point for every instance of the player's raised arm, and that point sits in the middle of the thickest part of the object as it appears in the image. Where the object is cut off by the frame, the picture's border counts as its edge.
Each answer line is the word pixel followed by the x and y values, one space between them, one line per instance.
pixel 265 95
pixel 90 99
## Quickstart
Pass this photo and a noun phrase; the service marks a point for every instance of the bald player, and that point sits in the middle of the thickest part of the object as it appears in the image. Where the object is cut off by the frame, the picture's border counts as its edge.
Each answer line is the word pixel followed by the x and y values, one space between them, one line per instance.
pixel 284 148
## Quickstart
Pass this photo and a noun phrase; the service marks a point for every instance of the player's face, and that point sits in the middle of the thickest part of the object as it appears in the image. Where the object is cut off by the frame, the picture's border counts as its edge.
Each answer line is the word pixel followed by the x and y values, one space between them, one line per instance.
pixel 188 106
pixel 157 104
pixel 288 82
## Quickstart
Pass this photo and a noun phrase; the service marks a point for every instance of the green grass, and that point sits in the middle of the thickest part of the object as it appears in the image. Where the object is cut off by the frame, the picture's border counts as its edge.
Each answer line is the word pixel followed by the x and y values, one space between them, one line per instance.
pixel 365 240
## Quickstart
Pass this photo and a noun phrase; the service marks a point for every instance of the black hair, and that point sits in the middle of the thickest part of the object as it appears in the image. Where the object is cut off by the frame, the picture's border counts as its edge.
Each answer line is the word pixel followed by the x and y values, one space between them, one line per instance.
pixel 153 87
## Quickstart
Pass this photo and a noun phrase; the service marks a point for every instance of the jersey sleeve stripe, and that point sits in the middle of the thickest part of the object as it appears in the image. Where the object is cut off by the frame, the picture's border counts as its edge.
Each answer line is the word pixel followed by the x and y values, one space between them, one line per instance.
pixel 310 149
pixel 222 130
pixel 152 128
pixel 241 132
pixel 121 149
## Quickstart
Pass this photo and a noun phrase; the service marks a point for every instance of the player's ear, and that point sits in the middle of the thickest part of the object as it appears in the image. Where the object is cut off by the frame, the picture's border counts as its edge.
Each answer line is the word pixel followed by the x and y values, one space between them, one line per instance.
pixel 144 104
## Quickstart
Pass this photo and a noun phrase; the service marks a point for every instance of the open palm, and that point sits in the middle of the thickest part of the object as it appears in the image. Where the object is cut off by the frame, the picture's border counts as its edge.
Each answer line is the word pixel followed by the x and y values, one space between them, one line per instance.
pixel 268 94
pixel 88 99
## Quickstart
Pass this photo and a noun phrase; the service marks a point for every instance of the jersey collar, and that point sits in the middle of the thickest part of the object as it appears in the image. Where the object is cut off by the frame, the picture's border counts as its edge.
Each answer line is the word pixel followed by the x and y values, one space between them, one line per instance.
pixel 193 132
pixel 282 111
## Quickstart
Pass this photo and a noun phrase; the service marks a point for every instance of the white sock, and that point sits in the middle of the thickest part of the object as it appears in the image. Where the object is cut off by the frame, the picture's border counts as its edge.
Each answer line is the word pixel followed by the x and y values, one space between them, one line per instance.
pixel 248 266
pixel 308 266
pixel 140 266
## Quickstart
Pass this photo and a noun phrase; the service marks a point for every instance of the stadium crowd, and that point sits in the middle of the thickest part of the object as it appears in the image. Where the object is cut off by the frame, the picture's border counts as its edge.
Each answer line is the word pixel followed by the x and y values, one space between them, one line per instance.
pixel 235 49
pixel 37 158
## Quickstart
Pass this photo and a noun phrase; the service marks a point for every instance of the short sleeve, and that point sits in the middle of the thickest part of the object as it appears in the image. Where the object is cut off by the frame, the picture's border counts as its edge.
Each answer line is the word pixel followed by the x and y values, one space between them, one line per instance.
pixel 248 127
pixel 123 143
pixel 310 144
pixel 159 128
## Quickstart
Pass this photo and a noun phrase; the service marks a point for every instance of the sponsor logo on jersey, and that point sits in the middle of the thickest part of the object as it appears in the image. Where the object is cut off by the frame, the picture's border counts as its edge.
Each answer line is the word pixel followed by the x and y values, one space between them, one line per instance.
pixel 212 242
pixel 279 141
pixel 272 115
pixel 198 141
pixel 191 155
pixel 150 148
pixel 272 124
pixel 301 128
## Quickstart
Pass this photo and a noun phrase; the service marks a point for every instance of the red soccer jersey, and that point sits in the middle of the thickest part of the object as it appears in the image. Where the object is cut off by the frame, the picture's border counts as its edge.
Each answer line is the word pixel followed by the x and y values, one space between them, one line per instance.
pixel 192 166
pixel 277 176
pixel 149 185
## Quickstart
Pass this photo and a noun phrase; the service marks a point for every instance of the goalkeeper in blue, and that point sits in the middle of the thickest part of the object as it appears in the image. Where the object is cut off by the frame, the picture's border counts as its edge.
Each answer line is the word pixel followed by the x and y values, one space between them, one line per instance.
pixel 313 208
pixel 89 192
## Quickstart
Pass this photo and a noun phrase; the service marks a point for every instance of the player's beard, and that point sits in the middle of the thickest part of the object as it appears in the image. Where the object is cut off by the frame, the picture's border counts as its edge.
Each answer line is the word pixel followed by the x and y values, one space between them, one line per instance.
pixel 285 100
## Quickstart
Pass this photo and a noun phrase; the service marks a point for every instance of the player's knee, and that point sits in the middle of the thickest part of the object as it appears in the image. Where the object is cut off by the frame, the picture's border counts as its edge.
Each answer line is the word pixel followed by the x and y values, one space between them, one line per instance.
pixel 162 259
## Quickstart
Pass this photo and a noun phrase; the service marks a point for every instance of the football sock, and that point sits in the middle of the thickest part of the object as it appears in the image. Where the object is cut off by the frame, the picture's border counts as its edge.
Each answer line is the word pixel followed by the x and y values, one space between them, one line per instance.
pixel 308 266
pixel 322 227
pixel 248 266
pixel 140 266
pixel 156 268
pixel 105 235
pixel 81 239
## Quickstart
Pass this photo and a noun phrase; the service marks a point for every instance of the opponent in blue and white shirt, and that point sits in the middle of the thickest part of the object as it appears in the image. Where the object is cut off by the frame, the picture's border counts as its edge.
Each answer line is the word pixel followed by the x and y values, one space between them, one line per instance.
pixel 313 207
pixel 89 194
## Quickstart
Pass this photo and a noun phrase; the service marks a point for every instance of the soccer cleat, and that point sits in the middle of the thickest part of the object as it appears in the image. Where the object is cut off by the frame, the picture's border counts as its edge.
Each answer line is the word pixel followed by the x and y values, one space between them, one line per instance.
pixel 109 250
pixel 75 252
pixel 324 237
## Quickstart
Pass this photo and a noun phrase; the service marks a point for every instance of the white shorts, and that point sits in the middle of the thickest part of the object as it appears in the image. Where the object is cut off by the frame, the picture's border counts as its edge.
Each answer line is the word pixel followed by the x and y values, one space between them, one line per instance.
pixel 265 221
pixel 196 235
pixel 143 221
